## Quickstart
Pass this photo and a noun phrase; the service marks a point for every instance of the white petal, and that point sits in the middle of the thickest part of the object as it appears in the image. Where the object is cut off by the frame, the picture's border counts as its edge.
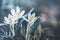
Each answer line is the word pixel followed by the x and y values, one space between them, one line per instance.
pixel 29 16
pixel 15 18
pixel 17 9
pixel 12 11
pixel 33 14
pixel 9 15
pixel 5 18
pixel 6 22
pixel 22 13
pixel 33 21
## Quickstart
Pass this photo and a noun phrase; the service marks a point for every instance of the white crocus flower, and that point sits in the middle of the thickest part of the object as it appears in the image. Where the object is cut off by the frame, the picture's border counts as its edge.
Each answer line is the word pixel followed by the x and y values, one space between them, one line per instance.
pixel 17 14
pixel 11 21
pixel 32 19
pixel 31 16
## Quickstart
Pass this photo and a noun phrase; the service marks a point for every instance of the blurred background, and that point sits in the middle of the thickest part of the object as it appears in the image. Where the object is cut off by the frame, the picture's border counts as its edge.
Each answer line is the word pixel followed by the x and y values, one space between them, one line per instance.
pixel 48 10
pixel 39 5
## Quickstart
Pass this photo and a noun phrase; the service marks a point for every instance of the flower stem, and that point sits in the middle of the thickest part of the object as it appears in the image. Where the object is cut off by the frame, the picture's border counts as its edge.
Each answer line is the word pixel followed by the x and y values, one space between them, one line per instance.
pixel 27 32
pixel 12 29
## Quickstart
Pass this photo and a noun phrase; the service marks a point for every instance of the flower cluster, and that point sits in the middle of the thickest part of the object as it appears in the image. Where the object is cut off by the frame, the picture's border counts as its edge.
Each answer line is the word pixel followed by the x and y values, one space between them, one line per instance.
pixel 15 15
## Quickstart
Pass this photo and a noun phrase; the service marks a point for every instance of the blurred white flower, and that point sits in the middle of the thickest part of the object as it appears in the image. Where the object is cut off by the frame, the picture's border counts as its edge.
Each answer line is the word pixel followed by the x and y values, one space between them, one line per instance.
pixel 17 14
pixel 9 19
pixel 31 16
pixel 43 17
pixel 31 19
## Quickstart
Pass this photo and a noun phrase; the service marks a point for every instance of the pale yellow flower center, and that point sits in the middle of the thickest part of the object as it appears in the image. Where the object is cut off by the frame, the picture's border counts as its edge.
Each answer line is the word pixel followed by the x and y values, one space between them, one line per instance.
pixel 17 13
pixel 10 19
pixel 31 17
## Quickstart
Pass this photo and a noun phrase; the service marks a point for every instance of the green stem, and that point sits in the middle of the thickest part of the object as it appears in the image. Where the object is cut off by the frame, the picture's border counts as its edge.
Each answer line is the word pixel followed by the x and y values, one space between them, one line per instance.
pixel 27 32
pixel 12 29
pixel 34 35
pixel 29 37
